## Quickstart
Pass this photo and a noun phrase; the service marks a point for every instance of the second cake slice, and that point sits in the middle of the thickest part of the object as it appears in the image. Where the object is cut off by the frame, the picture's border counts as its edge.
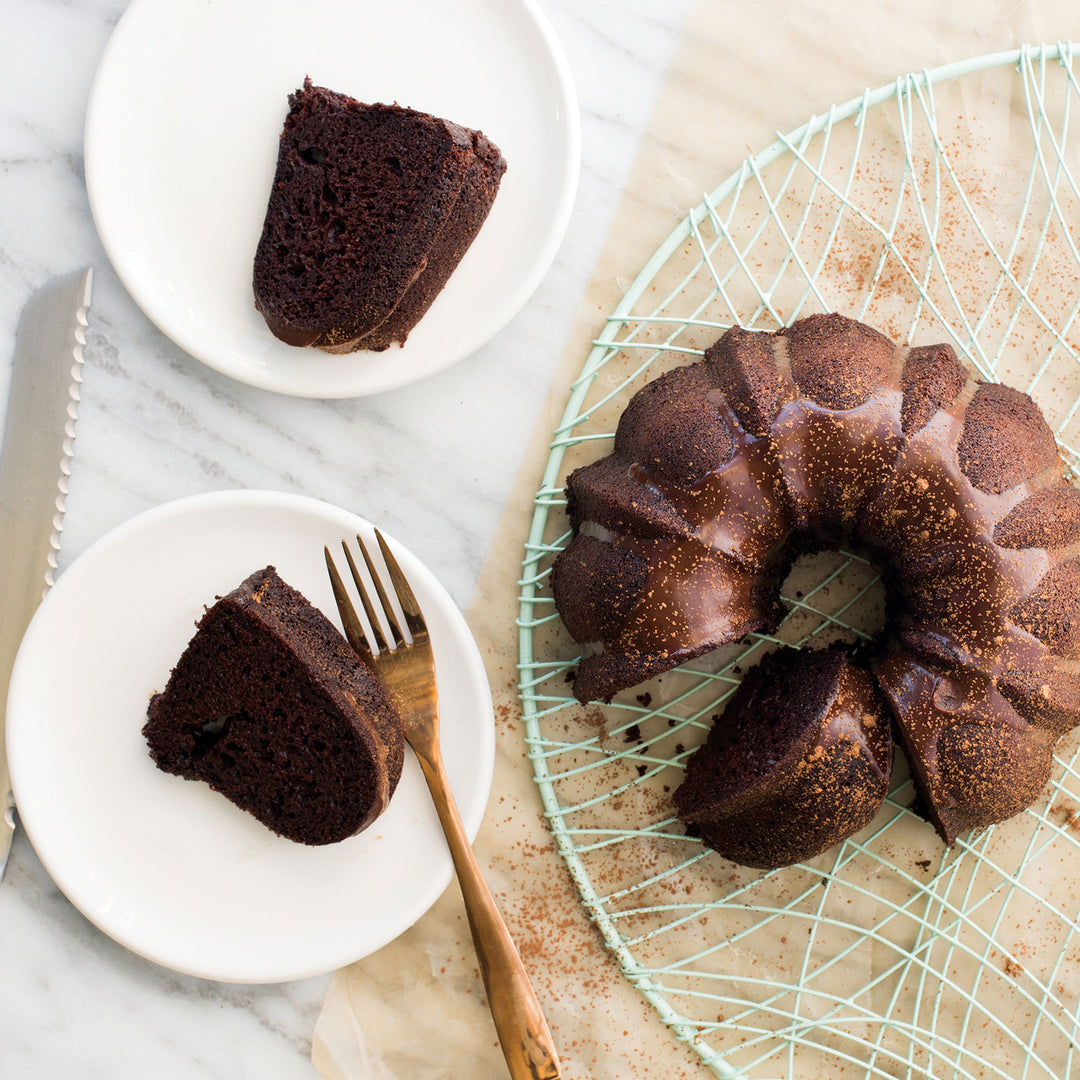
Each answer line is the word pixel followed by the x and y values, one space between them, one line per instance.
pixel 271 707
pixel 371 209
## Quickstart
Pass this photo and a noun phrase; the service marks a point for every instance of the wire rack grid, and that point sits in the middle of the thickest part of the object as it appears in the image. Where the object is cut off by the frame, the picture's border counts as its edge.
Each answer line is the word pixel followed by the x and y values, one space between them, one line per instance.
pixel 940 207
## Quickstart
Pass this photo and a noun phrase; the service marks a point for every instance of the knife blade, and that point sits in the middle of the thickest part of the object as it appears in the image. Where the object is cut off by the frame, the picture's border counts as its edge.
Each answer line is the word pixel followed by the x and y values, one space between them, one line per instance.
pixel 35 462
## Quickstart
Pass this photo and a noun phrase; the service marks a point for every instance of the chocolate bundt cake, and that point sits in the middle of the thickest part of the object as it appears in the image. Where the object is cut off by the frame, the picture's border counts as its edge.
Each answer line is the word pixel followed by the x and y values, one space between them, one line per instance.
pixel 826 433
pixel 371 210
pixel 799 760
pixel 271 707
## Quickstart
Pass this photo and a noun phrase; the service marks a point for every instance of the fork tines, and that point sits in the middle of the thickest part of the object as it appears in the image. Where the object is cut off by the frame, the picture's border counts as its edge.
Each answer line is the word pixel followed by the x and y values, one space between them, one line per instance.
pixel 354 631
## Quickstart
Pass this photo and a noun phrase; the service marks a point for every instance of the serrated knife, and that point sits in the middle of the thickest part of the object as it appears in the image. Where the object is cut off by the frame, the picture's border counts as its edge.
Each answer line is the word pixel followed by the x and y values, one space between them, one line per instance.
pixel 34 467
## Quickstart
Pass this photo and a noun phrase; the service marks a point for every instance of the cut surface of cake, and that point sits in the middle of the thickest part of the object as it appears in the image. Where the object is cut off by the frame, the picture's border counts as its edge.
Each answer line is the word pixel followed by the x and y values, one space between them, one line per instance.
pixel 471 209
pixel 372 208
pixel 799 760
pixel 270 706
pixel 823 434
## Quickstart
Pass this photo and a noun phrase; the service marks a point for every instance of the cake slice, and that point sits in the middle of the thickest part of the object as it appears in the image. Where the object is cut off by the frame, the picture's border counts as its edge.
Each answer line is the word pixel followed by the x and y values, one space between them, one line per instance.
pixel 271 707
pixel 371 205
pixel 799 760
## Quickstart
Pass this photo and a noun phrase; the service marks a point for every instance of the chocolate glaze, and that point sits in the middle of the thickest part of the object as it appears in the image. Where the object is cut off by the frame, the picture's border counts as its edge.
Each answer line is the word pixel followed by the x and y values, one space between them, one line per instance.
pixel 738 510
pixel 884 473
pixel 713 582
pixel 833 462
pixel 974 760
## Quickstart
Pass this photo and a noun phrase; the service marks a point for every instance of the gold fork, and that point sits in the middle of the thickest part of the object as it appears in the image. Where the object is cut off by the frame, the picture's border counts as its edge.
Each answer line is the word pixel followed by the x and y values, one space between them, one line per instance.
pixel 408 671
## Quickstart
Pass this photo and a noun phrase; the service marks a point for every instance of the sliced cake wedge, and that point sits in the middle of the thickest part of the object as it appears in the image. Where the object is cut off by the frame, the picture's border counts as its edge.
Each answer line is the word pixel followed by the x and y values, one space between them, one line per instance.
pixel 371 204
pixel 270 706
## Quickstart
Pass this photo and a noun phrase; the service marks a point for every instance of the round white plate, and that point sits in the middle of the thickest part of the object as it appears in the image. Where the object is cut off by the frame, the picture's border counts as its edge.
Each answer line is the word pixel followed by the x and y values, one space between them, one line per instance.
pixel 167 867
pixel 181 141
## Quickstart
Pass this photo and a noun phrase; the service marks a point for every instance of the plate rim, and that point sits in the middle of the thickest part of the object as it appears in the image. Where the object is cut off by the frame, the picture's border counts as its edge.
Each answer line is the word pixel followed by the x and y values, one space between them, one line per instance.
pixel 483 751
pixel 389 376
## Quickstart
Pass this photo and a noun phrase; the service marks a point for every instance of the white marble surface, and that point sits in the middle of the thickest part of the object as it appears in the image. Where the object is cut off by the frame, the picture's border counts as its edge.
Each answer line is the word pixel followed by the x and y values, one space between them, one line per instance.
pixel 433 463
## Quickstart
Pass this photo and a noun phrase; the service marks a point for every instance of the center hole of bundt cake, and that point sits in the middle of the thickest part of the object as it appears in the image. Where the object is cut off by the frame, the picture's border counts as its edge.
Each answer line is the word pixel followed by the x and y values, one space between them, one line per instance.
pixel 832 596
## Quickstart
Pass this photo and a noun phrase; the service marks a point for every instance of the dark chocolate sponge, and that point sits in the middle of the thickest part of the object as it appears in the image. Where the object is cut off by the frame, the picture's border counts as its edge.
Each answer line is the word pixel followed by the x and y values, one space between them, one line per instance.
pixel 371 209
pixel 822 434
pixel 471 209
pixel 799 760
pixel 271 707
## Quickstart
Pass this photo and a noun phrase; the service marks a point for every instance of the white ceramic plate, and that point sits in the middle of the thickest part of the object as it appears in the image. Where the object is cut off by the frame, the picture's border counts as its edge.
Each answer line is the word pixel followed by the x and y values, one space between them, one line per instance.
pixel 181 141
pixel 166 866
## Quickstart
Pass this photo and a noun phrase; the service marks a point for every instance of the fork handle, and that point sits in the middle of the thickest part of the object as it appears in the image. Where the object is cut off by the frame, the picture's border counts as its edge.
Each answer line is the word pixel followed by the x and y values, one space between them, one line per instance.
pixel 523 1032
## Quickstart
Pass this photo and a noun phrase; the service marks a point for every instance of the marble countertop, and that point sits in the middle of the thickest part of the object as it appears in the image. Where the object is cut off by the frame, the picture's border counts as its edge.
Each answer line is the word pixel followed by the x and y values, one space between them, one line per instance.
pixel 155 425
pixel 433 463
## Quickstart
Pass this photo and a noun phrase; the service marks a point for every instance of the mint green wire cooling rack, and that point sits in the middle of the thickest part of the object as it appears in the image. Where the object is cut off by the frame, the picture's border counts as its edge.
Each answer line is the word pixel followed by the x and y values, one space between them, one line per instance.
pixel 943 207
